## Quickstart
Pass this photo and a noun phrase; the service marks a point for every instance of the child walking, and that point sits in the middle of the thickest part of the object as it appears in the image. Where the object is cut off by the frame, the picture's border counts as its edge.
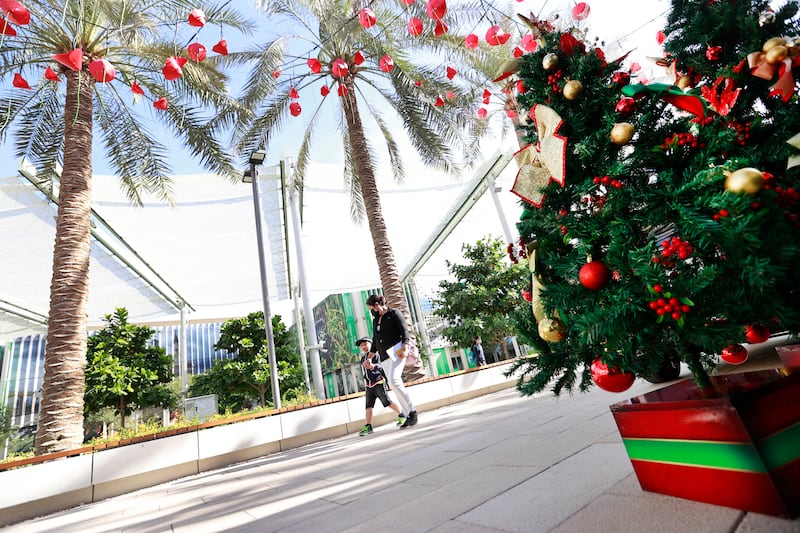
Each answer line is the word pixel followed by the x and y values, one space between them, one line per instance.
pixel 375 386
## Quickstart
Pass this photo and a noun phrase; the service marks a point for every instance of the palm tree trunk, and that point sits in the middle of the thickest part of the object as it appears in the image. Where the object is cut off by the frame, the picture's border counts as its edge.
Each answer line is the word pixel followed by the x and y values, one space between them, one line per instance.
pixel 387 268
pixel 61 412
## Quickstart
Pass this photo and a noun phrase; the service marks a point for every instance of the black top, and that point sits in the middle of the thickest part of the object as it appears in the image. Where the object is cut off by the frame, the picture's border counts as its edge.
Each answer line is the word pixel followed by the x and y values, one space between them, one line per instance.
pixel 372 376
pixel 388 330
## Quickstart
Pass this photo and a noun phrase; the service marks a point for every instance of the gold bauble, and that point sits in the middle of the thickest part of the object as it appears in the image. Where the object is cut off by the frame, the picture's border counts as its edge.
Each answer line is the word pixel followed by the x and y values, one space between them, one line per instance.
pixel 747 180
pixel 775 41
pixel 683 82
pixel 551 329
pixel 573 90
pixel 622 132
pixel 550 61
pixel 776 54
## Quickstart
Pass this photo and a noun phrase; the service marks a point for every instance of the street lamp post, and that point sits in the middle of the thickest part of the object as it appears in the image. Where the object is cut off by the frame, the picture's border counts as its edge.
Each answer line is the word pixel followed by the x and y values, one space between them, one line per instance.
pixel 256 159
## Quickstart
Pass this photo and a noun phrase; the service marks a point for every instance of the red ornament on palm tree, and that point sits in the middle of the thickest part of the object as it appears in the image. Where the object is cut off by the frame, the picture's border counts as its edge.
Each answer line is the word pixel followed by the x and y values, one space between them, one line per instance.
pixel 221 47
pixel 367 17
pixel 197 18
pixel 436 9
pixel 386 63
pixel 339 68
pixel 415 27
pixel 440 29
pixel 173 67
pixel 495 36
pixel 72 60
pixel 20 82
pixel 136 89
pixel 471 41
pixel 161 104
pixel 15 12
pixel 324 90
pixel 610 379
pixel 358 57
pixel 102 70
pixel 295 109
pixel 314 65
pixel 197 52
pixel 51 74
pixel 6 29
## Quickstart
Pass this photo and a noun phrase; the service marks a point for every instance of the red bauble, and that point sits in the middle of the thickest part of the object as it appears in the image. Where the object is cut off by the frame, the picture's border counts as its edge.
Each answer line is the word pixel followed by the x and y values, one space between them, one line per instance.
pixel 339 68
pixel 102 70
pixel 386 63
pixel 324 90
pixel 221 47
pixel 756 333
pixel 594 275
pixel 367 17
pixel 314 64
pixel 527 295
pixel 173 68
pixel 358 57
pixel 197 52
pixel 161 104
pixel 610 379
pixel 415 27
pixel 295 109
pixel 197 18
pixel 735 354
pixel 471 41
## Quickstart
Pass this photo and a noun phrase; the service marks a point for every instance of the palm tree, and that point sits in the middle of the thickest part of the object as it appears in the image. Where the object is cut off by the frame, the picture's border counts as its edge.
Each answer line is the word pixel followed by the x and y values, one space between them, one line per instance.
pixel 54 124
pixel 371 76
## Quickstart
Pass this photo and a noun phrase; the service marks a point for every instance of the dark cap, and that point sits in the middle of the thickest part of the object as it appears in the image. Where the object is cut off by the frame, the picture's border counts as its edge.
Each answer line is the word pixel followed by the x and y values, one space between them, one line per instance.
pixel 363 339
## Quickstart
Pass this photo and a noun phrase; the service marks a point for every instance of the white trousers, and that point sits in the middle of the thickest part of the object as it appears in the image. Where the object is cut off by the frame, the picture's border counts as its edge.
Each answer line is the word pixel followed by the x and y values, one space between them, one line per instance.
pixel 394 371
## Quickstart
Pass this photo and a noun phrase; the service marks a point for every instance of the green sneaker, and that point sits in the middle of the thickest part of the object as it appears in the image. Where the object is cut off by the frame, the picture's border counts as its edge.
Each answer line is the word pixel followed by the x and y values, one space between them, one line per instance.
pixel 366 430
pixel 401 420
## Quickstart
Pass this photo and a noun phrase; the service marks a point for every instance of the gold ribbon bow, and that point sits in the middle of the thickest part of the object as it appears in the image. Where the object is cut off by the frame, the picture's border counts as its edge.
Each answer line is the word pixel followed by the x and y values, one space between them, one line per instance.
pixel 544 162
pixel 757 61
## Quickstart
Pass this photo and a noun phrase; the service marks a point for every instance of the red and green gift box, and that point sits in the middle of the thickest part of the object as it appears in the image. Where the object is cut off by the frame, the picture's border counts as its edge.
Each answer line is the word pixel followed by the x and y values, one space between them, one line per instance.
pixel 736 443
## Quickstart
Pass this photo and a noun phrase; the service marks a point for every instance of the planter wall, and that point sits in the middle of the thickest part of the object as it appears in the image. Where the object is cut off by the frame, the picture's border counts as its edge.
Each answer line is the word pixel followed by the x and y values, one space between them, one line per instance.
pixel 736 446
pixel 34 487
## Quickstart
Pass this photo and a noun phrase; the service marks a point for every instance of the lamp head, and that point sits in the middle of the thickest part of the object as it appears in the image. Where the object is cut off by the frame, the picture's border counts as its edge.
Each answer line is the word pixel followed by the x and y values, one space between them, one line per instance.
pixel 257 157
pixel 248 176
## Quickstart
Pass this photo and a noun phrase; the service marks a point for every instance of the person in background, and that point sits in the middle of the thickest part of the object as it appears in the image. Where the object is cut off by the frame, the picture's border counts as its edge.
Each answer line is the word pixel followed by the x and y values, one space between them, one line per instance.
pixel 375 385
pixel 390 339
pixel 477 351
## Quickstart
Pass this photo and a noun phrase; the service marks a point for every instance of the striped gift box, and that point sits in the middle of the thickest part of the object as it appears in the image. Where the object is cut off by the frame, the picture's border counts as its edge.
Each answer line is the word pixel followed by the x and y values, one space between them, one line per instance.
pixel 736 444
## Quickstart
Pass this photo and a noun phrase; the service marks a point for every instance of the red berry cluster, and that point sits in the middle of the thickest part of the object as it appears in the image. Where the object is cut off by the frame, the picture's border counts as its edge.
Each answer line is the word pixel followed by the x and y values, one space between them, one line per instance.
pixel 554 79
pixel 723 213
pixel 681 139
pixel 594 202
pixel 666 305
pixel 516 251
pixel 607 181
pixel 703 121
pixel 742 132
pixel 677 247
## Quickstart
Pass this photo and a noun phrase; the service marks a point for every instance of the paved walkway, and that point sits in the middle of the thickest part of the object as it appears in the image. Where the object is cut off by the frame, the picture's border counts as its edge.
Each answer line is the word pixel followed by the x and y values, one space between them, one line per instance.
pixel 496 463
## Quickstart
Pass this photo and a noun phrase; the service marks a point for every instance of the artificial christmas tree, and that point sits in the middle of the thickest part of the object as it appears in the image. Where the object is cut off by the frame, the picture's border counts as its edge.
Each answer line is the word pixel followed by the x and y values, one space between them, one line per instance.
pixel 662 221
pixel 685 196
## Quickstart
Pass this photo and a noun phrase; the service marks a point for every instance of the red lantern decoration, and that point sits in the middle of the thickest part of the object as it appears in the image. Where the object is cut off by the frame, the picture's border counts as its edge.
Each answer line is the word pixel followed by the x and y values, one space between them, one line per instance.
pixel 386 63
pixel 221 47
pixel 135 89
pixel 481 114
pixel 610 379
pixel 295 109
pixel 197 18
pixel 439 101
pixel 581 11
pixel 594 275
pixel 20 82
pixel 102 70
pixel 451 73
pixel 496 36
pixel 734 354
pixel 197 52
pixel 314 65
pixel 440 29
pixel 6 29
pixel 173 67
pixel 436 9
pixel 72 60
pixel 15 12
pixel 342 90
pixel 293 93
pixel 358 57
pixel 367 17
pixel 415 27
pixel 51 75
pixel 324 90
pixel 756 333
pixel 161 104
pixel 339 68
pixel 471 41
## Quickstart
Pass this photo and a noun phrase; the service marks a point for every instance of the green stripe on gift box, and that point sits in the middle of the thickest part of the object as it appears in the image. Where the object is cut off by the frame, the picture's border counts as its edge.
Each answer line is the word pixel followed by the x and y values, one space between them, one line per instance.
pixel 781 448
pixel 725 455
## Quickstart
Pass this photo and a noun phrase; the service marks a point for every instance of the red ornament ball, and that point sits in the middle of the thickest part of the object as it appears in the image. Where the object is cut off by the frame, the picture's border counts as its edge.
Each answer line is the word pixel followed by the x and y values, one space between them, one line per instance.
pixel 610 379
pixel 734 354
pixel 594 275
pixel 756 333
pixel 295 109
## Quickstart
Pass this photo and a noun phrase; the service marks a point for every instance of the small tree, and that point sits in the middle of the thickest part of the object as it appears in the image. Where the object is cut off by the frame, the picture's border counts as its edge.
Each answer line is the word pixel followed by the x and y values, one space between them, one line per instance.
pixel 236 381
pixel 483 294
pixel 123 372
